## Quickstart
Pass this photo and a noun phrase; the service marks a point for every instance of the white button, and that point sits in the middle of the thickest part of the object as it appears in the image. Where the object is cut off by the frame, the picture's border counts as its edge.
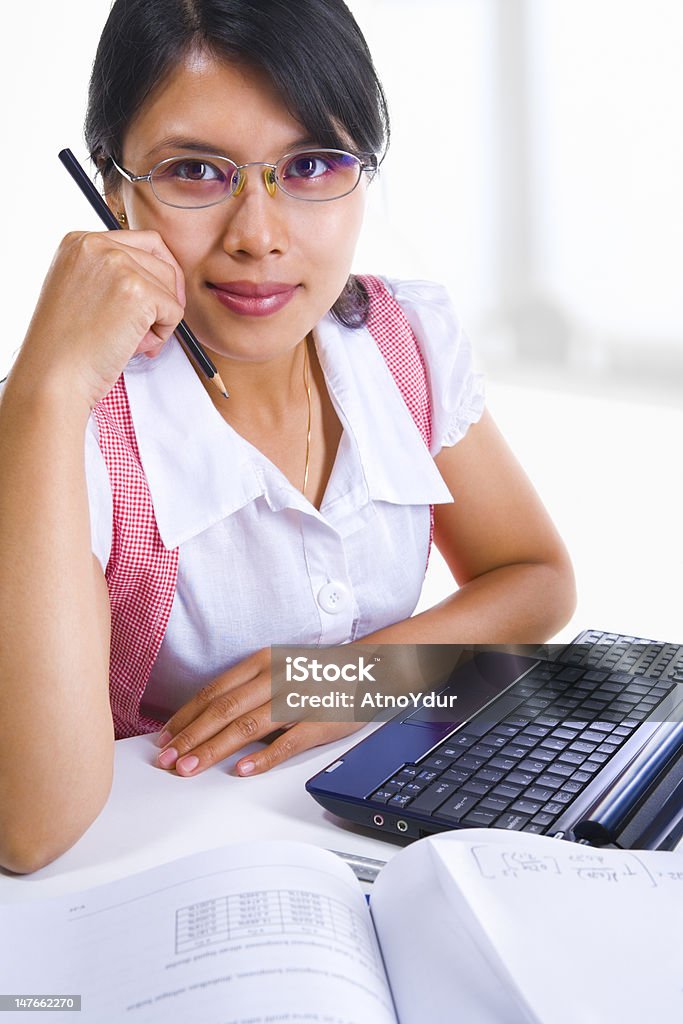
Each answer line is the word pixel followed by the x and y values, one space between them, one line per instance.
pixel 333 597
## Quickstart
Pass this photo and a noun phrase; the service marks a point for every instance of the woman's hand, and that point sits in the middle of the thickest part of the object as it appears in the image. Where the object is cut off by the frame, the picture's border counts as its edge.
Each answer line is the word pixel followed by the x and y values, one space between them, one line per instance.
pixel 107 296
pixel 231 711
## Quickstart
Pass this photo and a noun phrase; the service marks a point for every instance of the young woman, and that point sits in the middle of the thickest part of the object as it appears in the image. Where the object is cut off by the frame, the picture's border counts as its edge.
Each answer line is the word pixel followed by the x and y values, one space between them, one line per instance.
pixel 143 582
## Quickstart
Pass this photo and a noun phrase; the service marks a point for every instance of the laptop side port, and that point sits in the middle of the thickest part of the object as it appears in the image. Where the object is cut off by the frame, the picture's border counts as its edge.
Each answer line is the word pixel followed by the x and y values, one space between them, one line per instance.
pixel 378 820
pixel 402 825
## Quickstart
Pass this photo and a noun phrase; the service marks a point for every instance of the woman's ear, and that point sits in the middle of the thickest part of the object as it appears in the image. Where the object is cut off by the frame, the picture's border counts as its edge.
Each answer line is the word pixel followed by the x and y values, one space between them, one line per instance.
pixel 114 201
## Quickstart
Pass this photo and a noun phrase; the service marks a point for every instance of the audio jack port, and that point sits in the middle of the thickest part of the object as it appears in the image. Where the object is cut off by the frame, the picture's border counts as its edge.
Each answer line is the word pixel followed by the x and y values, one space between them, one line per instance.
pixel 402 825
pixel 378 820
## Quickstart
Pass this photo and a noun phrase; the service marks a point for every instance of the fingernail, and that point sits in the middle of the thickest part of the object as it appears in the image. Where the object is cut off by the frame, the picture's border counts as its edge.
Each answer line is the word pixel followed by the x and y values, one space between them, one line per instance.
pixel 168 757
pixel 163 738
pixel 188 764
pixel 246 767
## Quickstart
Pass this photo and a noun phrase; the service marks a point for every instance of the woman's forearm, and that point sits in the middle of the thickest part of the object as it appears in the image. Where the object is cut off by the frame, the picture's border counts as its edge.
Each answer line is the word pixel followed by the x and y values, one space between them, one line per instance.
pixel 56 740
pixel 520 603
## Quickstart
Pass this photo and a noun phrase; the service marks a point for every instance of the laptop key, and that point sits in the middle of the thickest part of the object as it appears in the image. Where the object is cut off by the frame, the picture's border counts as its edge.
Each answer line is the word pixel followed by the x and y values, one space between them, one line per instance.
pixel 431 798
pixel 564 734
pixel 539 793
pixel 507 789
pixel 476 786
pixel 438 763
pixel 489 774
pixel 511 820
pixel 495 740
pixel 538 730
pixel 382 796
pixel 458 742
pixel 400 800
pixel 480 817
pixel 493 802
pixel 571 757
pixel 551 782
pixel 548 720
pixel 565 770
pixel 457 775
pixel 552 743
pixel 582 747
pixel 533 827
pixel 506 730
pixel 482 750
pixel 553 807
pixel 543 818
pixel 526 806
pixel 467 761
pixel 522 739
pixel 523 778
pixel 455 810
pixel 531 765
pixel 505 763
pixel 512 750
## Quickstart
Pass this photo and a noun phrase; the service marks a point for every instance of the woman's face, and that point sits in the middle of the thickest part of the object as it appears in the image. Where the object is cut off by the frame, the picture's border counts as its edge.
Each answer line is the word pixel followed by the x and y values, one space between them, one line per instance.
pixel 250 239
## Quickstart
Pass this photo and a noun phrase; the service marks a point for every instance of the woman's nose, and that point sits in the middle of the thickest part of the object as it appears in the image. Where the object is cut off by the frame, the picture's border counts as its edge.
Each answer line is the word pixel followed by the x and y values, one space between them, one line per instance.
pixel 256 223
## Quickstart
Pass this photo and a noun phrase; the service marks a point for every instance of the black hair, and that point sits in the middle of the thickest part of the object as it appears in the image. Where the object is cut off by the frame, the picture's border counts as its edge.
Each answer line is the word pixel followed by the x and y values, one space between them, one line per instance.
pixel 312 50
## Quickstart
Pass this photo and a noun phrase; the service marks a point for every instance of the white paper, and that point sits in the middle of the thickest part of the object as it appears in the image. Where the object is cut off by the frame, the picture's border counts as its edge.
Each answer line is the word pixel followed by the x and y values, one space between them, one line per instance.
pixel 571 933
pixel 254 933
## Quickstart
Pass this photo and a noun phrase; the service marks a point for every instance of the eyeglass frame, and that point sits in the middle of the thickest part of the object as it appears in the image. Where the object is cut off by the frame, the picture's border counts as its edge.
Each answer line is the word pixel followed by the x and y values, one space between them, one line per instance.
pixel 369 165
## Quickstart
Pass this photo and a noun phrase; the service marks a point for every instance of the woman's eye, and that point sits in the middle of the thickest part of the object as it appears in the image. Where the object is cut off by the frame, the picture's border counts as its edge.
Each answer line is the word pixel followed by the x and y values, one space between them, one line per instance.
pixel 194 170
pixel 197 170
pixel 307 165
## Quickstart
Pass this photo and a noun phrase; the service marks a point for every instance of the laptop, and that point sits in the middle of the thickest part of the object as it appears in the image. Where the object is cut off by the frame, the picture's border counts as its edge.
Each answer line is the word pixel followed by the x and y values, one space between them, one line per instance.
pixel 582 742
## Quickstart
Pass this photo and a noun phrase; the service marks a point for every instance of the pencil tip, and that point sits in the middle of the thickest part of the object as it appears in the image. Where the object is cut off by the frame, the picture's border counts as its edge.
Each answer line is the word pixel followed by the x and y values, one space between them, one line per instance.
pixel 220 385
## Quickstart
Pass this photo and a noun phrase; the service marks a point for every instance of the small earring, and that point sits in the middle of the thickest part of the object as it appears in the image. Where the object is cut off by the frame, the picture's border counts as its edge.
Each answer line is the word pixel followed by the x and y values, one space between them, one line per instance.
pixel 121 217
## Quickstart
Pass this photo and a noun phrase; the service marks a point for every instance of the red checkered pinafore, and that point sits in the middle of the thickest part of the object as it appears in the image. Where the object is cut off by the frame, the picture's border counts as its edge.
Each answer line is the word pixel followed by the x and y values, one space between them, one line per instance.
pixel 141 573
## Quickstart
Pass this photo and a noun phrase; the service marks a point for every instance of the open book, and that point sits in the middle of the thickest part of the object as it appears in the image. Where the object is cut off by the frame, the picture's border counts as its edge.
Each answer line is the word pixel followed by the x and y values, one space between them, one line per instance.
pixel 477 926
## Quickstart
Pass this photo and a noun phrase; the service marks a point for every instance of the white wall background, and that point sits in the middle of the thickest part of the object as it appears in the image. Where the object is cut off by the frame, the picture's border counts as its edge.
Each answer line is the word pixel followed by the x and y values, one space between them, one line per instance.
pixel 535 169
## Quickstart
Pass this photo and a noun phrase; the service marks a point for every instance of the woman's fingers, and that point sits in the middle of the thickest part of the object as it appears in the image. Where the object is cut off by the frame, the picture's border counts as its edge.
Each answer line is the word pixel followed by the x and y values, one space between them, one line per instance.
pixel 107 296
pixel 230 712
pixel 221 718
pixel 301 736
pixel 152 243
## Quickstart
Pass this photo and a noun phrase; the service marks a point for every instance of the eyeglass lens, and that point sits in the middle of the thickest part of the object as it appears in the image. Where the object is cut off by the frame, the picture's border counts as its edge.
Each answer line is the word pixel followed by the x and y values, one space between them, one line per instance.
pixel 196 181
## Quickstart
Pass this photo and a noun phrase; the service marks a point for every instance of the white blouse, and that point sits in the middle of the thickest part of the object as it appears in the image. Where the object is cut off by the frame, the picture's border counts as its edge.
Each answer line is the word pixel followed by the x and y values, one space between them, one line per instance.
pixel 258 564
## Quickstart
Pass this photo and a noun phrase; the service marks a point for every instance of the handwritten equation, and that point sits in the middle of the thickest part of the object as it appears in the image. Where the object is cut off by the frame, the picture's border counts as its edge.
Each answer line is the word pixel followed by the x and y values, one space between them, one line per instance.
pixel 590 865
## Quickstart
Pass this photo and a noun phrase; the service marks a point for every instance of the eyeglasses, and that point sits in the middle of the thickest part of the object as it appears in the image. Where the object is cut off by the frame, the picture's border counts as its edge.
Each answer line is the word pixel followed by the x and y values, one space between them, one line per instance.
pixel 204 179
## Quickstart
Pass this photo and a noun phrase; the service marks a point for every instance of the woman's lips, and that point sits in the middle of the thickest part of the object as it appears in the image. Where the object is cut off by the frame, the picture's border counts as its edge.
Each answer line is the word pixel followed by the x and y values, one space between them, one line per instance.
pixel 248 299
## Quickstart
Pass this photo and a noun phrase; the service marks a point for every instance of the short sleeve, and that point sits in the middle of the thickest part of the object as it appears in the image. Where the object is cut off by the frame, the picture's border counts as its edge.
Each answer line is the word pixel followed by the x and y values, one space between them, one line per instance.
pixel 457 391
pixel 99 496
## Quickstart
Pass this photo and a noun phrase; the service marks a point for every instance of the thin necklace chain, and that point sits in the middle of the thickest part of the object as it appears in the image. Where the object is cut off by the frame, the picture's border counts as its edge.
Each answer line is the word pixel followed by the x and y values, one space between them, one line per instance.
pixel 307 385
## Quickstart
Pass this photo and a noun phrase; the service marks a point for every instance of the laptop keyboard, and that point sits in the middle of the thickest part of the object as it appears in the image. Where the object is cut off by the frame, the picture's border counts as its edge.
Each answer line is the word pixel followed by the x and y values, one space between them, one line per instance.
pixel 619 653
pixel 572 716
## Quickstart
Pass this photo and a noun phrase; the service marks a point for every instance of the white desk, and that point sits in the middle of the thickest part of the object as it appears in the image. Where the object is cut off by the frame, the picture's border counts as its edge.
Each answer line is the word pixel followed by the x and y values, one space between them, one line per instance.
pixel 154 816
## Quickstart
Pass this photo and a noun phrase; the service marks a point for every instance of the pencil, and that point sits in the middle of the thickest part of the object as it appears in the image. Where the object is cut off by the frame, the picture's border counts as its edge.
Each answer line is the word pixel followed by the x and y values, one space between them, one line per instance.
pixel 182 331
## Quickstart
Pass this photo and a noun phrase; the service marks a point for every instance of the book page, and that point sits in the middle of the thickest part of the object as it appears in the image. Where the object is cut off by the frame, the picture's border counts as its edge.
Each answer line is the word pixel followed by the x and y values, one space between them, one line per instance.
pixel 436 957
pixel 243 935
pixel 574 933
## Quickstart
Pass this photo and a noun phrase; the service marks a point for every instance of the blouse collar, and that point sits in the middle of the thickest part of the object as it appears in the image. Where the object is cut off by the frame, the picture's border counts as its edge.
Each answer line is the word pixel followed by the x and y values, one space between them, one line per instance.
pixel 200 470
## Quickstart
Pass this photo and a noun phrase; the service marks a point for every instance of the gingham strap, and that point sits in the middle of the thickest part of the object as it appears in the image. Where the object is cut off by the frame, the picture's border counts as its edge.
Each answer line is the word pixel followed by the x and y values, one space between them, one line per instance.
pixel 394 337
pixel 141 573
